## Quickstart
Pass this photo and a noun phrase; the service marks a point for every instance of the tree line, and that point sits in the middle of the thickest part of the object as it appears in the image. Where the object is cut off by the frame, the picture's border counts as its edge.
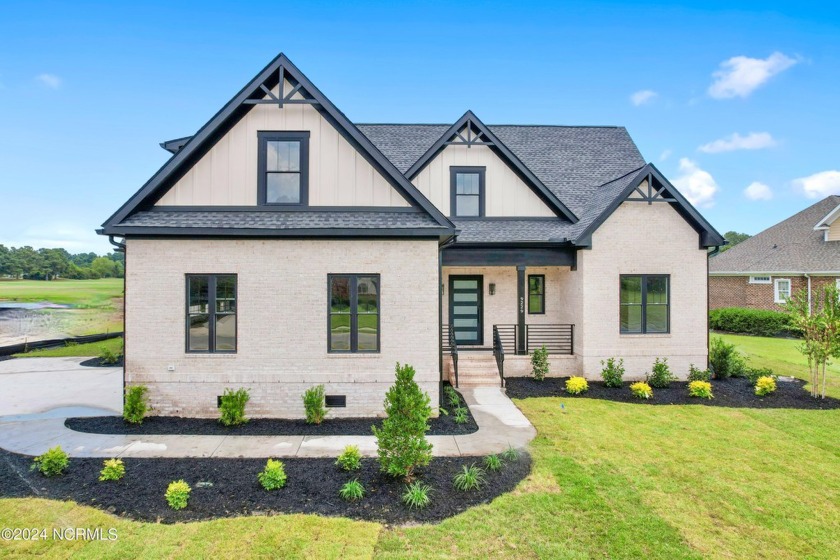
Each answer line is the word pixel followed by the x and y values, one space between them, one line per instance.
pixel 51 264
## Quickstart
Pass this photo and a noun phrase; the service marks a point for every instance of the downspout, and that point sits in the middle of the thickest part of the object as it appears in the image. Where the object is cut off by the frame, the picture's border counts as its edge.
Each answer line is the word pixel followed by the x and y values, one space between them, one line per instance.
pixel 709 255
pixel 808 276
pixel 441 247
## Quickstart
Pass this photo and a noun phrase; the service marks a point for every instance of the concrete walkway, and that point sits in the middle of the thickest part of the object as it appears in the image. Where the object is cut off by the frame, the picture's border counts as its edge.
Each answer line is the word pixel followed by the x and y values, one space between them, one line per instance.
pixel 500 425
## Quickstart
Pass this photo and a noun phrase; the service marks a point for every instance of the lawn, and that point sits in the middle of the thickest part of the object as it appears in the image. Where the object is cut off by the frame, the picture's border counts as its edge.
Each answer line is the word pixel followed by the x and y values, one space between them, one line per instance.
pixel 72 350
pixel 77 293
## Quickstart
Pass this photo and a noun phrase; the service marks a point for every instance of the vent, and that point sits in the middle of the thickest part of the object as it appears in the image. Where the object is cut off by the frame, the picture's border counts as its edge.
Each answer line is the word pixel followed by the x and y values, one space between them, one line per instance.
pixel 218 401
pixel 335 401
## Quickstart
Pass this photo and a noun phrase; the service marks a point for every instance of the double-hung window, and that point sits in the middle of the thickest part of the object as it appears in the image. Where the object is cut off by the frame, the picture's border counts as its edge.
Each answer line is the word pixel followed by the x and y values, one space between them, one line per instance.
pixel 353 313
pixel 467 191
pixel 781 290
pixel 211 313
pixel 536 294
pixel 283 168
pixel 644 303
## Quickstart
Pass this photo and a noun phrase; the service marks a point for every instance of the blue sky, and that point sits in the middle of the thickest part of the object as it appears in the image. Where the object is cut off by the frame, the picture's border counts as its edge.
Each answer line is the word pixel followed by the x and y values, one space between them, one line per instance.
pixel 722 97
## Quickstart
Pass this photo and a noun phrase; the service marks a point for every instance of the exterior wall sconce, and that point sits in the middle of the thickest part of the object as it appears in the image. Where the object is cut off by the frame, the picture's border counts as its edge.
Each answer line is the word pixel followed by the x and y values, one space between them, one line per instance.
pixel 492 289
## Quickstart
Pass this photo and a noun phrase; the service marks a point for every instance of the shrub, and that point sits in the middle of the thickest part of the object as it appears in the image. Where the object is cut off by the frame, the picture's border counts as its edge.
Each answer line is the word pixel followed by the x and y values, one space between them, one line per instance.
pixel 112 469
pixel 758 322
pixel 178 494
pixel 765 386
pixel 612 372
pixel 510 454
pixel 313 403
pixel 725 360
pixel 461 416
pixel 452 396
pixel 642 390
pixel 660 376
pixel 401 441
pixel 700 389
pixel 352 491
pixel 576 385
pixel 539 363
pixel 754 373
pixel 470 478
pixel 695 374
pixel 273 476
pixel 492 463
pixel 350 459
pixel 232 407
pixel 108 356
pixel 416 495
pixel 135 406
pixel 52 462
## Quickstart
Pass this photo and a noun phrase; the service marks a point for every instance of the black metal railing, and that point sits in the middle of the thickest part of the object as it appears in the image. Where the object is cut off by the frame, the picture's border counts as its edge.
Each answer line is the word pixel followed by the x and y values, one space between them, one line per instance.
pixel 499 353
pixel 508 334
pixel 557 339
pixel 452 348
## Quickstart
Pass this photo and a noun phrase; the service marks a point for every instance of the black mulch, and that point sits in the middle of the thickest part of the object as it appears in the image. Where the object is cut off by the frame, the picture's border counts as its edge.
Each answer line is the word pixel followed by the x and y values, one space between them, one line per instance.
pixel 443 425
pixel 735 393
pixel 4 358
pixel 97 362
pixel 312 487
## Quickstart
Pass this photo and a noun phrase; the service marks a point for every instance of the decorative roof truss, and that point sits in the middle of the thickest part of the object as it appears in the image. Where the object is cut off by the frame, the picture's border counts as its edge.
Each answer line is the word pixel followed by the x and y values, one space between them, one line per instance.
pixel 469 136
pixel 283 98
pixel 652 195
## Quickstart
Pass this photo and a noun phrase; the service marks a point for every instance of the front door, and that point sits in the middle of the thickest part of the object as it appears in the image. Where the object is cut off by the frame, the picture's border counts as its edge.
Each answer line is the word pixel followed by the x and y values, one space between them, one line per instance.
pixel 465 308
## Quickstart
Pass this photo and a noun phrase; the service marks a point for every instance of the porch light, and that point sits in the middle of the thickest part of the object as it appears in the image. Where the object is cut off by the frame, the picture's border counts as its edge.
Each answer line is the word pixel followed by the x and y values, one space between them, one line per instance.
pixel 492 289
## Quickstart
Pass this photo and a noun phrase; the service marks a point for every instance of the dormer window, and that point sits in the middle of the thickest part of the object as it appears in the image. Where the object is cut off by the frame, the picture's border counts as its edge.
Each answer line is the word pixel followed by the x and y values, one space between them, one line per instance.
pixel 467 186
pixel 283 168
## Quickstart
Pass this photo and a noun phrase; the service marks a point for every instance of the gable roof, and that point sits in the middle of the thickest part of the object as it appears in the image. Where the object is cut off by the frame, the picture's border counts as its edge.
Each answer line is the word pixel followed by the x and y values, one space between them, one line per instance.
pixel 221 122
pixel 791 246
pixel 832 216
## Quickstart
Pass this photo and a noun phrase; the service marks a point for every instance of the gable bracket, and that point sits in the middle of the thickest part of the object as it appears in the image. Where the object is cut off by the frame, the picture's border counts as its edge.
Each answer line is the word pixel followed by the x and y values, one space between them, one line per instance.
pixel 283 98
pixel 472 139
pixel 652 195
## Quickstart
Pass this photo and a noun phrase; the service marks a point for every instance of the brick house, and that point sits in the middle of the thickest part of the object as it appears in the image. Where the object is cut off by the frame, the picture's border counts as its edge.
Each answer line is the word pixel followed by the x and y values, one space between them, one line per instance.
pixel 799 253
pixel 283 246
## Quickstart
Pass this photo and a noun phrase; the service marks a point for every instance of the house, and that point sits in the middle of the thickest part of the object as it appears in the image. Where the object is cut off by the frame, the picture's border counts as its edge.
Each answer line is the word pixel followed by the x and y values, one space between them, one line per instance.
pixel 801 252
pixel 283 246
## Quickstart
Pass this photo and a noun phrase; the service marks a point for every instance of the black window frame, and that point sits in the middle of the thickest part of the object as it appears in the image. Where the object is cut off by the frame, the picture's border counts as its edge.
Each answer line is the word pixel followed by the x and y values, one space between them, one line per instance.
pixel 542 295
pixel 354 313
pixel 453 196
pixel 264 137
pixel 211 308
pixel 643 304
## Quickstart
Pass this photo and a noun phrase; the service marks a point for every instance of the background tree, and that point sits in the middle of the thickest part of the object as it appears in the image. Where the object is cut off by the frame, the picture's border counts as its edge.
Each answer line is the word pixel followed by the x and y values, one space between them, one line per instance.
pixel 733 237
pixel 54 263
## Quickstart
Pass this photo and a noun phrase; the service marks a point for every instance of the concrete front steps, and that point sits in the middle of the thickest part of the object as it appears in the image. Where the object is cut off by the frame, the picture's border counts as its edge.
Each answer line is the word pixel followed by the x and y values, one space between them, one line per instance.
pixel 475 369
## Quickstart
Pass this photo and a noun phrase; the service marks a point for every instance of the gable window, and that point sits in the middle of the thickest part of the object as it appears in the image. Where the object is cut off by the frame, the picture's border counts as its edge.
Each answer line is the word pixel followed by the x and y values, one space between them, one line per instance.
pixel 467 188
pixel 781 290
pixel 759 279
pixel 536 294
pixel 283 161
pixel 353 313
pixel 645 303
pixel 211 313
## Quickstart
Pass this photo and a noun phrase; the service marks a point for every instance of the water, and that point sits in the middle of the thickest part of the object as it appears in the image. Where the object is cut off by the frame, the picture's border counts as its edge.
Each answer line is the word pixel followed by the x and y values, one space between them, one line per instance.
pixel 29 306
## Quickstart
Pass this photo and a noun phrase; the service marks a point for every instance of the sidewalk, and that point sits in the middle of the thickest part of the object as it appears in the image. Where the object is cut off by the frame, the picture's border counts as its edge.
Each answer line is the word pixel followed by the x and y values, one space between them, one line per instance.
pixel 500 424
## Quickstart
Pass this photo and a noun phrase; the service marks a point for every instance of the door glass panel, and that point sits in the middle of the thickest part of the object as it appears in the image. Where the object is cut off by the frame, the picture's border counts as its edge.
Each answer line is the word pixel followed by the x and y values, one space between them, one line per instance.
pixel 470 298
pixel 466 335
pixel 465 284
pixel 465 322
pixel 465 310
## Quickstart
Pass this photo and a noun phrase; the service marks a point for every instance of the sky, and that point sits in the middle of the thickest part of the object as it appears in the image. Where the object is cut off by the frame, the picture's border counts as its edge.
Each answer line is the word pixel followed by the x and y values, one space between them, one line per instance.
pixel 736 103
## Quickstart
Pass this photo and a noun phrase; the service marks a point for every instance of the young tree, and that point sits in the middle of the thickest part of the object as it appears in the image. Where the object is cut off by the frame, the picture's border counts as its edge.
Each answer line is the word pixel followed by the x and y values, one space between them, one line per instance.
pixel 819 322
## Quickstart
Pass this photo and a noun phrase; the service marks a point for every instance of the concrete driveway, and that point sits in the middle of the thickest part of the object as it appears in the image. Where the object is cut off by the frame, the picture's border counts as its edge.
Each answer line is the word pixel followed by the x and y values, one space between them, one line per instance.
pixel 36 385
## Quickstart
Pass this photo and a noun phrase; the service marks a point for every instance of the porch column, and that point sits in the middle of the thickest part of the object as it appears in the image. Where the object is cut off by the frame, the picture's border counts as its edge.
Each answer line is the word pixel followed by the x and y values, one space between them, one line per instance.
pixel 521 347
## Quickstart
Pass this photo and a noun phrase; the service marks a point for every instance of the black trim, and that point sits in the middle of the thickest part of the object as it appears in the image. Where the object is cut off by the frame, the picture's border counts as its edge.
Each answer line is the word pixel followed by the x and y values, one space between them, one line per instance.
pixel 282 208
pixel 542 295
pixel 265 136
pixel 174 146
pixel 454 171
pixel 509 256
pixel 521 295
pixel 211 312
pixel 480 304
pixel 643 304
pixel 258 233
pixel 354 313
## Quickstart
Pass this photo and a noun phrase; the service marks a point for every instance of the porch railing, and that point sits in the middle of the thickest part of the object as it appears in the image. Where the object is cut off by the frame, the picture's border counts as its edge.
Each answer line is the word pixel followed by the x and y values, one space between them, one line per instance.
pixel 499 353
pixel 557 339
pixel 452 348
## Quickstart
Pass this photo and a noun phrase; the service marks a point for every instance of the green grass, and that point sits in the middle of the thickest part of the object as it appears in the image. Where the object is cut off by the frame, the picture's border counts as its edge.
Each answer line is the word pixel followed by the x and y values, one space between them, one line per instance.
pixel 89 349
pixel 81 293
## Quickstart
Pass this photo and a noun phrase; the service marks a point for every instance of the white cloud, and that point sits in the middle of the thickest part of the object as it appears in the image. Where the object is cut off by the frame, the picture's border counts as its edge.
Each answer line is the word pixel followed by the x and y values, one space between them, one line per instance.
pixel 696 184
pixel 665 154
pixel 643 96
pixel 50 80
pixel 820 184
pixel 741 75
pixel 752 141
pixel 758 191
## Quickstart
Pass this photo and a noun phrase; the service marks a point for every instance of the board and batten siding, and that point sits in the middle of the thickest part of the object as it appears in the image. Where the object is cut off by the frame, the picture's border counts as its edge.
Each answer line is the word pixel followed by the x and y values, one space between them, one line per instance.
pixel 227 174
pixel 505 193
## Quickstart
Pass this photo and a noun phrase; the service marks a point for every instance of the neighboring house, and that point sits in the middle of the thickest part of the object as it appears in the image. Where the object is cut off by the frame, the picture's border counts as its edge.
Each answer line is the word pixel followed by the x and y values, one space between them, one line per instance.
pixel 801 252
pixel 283 246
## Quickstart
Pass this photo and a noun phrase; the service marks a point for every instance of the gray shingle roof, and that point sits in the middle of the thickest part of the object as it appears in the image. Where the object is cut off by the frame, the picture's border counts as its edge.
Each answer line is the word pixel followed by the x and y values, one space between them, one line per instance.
pixel 789 246
pixel 501 231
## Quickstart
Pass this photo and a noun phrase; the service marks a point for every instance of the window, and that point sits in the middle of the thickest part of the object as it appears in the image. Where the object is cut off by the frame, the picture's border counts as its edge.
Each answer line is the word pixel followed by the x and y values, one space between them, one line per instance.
pixel 467 186
pixel 283 168
pixel 781 290
pixel 353 313
pixel 645 302
pixel 536 294
pixel 759 279
pixel 211 313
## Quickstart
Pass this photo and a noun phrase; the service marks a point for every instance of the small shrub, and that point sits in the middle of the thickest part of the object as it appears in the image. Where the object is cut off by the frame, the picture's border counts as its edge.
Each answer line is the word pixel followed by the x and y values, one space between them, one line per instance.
pixel 417 495
pixel 178 494
pixel 112 469
pixel 232 407
pixel 510 454
pixel 492 463
pixel 695 374
pixel 612 372
pixel 754 373
pixel 52 462
pixel 135 405
pixel 576 385
pixel 460 415
pixel 765 386
pixel 313 404
pixel 725 360
pixel 352 491
pixel 273 476
pixel 470 478
pixel 642 390
pixel 758 322
pixel 108 356
pixel 700 389
pixel 350 459
pixel 452 396
pixel 539 363
pixel 660 376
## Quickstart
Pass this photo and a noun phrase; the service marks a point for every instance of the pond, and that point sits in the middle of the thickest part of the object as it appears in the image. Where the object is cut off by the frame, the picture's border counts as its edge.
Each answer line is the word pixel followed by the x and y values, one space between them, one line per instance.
pixel 30 306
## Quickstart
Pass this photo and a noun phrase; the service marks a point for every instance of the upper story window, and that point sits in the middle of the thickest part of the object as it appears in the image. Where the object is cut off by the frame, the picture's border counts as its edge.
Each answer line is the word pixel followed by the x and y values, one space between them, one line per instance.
pixel 467 186
pixel 645 303
pixel 283 168
pixel 211 313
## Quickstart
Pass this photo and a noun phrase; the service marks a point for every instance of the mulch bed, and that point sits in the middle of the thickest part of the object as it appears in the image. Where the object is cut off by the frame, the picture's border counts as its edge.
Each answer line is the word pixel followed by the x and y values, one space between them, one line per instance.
pixel 734 393
pixel 312 487
pixel 443 425
pixel 97 362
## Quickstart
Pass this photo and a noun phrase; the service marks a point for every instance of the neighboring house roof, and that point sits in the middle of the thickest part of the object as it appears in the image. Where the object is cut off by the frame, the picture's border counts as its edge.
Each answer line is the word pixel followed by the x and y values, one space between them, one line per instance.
pixel 791 246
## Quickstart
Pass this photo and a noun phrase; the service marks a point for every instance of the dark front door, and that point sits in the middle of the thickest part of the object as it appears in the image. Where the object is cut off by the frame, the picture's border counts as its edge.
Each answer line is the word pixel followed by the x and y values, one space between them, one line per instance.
pixel 465 308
